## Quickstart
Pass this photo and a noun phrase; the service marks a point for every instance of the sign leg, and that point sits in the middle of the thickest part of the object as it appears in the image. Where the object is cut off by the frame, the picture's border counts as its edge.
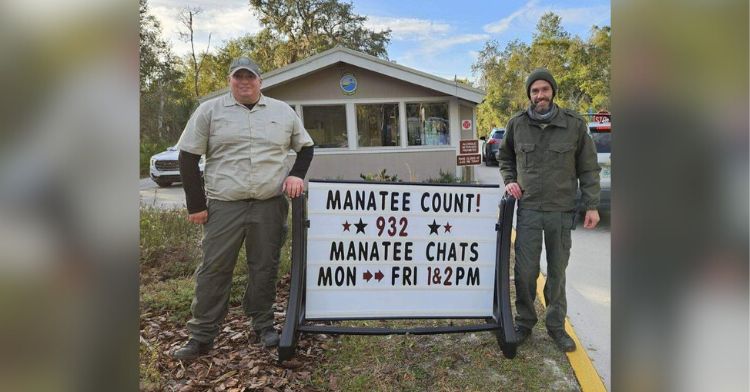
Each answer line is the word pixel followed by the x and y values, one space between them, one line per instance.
pixel 295 310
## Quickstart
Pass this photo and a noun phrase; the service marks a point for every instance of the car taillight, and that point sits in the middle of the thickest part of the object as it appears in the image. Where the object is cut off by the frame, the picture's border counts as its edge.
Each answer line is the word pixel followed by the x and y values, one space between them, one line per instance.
pixel 492 141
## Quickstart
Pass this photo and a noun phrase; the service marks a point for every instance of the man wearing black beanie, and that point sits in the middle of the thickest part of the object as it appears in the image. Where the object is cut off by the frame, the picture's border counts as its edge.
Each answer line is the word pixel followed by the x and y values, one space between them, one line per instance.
pixel 545 154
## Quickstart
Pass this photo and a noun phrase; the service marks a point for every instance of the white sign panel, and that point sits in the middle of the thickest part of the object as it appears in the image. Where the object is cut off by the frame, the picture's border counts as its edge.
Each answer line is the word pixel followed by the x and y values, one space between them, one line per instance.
pixel 381 250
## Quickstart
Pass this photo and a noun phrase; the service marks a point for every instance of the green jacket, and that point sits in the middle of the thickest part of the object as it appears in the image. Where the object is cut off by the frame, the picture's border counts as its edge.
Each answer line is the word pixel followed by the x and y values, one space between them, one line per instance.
pixel 549 162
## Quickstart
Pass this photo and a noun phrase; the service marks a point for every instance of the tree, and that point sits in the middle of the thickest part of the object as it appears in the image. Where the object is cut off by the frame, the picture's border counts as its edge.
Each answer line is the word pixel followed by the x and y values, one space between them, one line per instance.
pixel 296 29
pixel 164 108
pixel 188 35
pixel 153 49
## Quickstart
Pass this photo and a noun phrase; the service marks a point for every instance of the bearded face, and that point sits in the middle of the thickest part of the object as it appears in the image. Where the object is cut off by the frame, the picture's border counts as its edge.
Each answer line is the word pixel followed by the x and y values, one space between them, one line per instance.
pixel 541 95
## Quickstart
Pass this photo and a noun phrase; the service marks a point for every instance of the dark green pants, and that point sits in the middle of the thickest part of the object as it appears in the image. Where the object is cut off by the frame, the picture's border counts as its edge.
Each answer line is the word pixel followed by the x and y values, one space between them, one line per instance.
pixel 261 225
pixel 531 227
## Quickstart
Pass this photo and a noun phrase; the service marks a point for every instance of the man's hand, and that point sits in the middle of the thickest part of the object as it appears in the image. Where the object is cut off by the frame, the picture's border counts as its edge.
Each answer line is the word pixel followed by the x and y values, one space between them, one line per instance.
pixel 591 220
pixel 293 186
pixel 198 218
pixel 514 189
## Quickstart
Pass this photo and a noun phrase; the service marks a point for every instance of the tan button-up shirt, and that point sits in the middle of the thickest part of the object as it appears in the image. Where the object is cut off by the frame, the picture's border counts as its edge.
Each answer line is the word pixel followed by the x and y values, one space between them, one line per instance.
pixel 245 149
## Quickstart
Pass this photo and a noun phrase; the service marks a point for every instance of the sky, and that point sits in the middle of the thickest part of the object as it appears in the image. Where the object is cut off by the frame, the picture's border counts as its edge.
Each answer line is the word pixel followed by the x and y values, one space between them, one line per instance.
pixel 439 37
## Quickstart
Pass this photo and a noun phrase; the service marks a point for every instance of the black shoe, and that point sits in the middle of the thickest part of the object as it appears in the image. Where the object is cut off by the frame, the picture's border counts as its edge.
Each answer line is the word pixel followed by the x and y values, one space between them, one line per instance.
pixel 192 350
pixel 522 333
pixel 268 337
pixel 562 340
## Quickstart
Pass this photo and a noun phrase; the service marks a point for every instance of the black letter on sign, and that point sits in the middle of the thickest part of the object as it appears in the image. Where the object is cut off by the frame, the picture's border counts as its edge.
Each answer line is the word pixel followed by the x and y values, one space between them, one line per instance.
pixel 473 278
pixel 334 200
pixel 324 276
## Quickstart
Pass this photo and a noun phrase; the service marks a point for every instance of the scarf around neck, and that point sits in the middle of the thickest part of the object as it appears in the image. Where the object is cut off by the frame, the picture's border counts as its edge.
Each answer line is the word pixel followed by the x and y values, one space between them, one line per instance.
pixel 543 118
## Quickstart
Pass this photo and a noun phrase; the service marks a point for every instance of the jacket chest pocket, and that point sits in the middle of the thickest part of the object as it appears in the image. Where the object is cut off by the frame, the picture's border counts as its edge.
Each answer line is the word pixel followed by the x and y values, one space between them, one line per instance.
pixel 562 155
pixel 526 154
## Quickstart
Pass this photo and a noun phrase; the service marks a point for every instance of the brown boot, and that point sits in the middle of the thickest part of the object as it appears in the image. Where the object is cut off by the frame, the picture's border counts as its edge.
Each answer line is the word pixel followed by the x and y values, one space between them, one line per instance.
pixel 192 350
pixel 563 341
pixel 268 337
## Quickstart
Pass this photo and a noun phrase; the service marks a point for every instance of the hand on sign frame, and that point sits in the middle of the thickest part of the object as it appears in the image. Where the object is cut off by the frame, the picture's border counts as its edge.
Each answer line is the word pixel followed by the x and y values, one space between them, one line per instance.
pixel 293 186
pixel 514 189
pixel 591 219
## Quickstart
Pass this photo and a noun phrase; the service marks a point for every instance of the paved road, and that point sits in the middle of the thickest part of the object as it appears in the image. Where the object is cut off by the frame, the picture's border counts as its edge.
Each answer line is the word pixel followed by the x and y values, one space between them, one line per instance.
pixel 154 196
pixel 588 285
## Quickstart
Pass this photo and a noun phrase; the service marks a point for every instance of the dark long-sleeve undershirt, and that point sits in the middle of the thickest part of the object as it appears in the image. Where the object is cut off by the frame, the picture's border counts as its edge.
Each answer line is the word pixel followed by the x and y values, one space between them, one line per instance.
pixel 304 157
pixel 195 197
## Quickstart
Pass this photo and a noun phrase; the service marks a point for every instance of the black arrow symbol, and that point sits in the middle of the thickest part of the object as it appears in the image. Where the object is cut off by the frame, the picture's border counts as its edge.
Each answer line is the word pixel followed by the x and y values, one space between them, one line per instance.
pixel 367 275
pixel 378 275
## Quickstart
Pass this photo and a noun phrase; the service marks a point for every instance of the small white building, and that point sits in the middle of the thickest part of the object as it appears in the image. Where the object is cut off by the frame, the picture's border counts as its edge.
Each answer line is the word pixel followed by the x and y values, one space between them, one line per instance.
pixel 367 114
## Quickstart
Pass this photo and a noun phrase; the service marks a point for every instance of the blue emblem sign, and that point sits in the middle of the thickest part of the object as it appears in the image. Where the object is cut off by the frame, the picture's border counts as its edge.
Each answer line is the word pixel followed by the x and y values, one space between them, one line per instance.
pixel 348 84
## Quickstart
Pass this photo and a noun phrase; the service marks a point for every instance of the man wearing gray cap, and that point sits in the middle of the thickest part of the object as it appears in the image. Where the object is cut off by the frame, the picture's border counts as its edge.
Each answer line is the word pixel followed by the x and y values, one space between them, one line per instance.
pixel 545 154
pixel 245 137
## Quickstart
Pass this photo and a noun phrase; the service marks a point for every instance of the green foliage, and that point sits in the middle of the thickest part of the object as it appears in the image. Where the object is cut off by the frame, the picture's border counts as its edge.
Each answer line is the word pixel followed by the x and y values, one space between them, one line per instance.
pixel 167 238
pixel 446 177
pixel 379 177
pixel 296 29
pixel 581 69
pixel 150 376
pixel 172 297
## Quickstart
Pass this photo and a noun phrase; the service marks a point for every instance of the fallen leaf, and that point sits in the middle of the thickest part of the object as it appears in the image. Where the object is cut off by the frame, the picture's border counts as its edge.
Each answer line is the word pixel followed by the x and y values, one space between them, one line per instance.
pixel 291 364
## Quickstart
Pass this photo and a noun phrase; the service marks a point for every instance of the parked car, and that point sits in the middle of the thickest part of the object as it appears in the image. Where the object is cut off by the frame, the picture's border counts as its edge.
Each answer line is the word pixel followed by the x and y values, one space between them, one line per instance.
pixel 492 146
pixel 164 168
pixel 600 130
pixel 601 133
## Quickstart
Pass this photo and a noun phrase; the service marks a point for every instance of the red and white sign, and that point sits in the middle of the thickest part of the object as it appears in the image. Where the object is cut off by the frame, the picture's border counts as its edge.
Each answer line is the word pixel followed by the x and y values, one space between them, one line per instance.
pixel 466 125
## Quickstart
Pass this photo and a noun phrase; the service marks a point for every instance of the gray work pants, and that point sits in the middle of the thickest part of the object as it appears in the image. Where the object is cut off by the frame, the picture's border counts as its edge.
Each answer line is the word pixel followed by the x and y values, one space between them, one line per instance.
pixel 261 225
pixel 531 227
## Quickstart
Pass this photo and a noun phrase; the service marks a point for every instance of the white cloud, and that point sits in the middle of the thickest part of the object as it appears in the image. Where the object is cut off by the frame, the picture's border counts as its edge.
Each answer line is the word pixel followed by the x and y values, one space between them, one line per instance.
pixel 222 23
pixel 598 15
pixel 529 14
pixel 503 24
pixel 407 28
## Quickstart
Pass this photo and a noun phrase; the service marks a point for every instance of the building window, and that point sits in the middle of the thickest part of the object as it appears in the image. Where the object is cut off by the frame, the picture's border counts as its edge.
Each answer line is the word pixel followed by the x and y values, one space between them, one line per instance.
pixel 377 125
pixel 326 125
pixel 427 124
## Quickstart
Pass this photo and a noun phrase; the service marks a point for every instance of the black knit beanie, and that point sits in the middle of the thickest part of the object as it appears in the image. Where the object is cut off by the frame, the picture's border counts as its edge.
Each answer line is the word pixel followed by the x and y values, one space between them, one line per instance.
pixel 540 74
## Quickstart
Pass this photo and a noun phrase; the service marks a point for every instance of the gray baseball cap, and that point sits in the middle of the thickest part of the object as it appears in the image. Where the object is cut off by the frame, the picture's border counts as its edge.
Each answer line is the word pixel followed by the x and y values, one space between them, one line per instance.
pixel 244 63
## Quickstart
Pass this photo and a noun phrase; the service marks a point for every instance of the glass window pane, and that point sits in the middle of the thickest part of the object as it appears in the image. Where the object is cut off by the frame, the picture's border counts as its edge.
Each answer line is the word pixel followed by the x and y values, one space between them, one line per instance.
pixel 427 124
pixel 377 125
pixel 326 125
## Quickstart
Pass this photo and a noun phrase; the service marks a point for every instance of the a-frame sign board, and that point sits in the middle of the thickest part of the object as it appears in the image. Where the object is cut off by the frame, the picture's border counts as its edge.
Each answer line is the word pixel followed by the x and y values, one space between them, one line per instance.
pixel 368 250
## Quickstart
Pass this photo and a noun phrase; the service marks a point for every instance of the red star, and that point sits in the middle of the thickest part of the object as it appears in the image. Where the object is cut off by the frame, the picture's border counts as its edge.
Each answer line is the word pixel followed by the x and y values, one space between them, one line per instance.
pixel 447 227
pixel 346 225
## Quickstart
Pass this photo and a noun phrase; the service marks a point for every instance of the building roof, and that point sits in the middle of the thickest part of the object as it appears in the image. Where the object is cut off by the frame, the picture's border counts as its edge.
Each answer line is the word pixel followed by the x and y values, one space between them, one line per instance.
pixel 338 54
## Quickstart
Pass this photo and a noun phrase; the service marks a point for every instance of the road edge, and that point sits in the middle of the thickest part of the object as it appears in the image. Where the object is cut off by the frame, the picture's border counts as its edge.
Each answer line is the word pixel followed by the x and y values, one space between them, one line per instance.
pixel 583 368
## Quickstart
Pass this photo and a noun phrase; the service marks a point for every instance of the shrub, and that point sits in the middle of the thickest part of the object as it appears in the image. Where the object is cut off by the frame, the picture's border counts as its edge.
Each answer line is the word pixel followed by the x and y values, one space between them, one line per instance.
pixel 446 178
pixel 381 177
